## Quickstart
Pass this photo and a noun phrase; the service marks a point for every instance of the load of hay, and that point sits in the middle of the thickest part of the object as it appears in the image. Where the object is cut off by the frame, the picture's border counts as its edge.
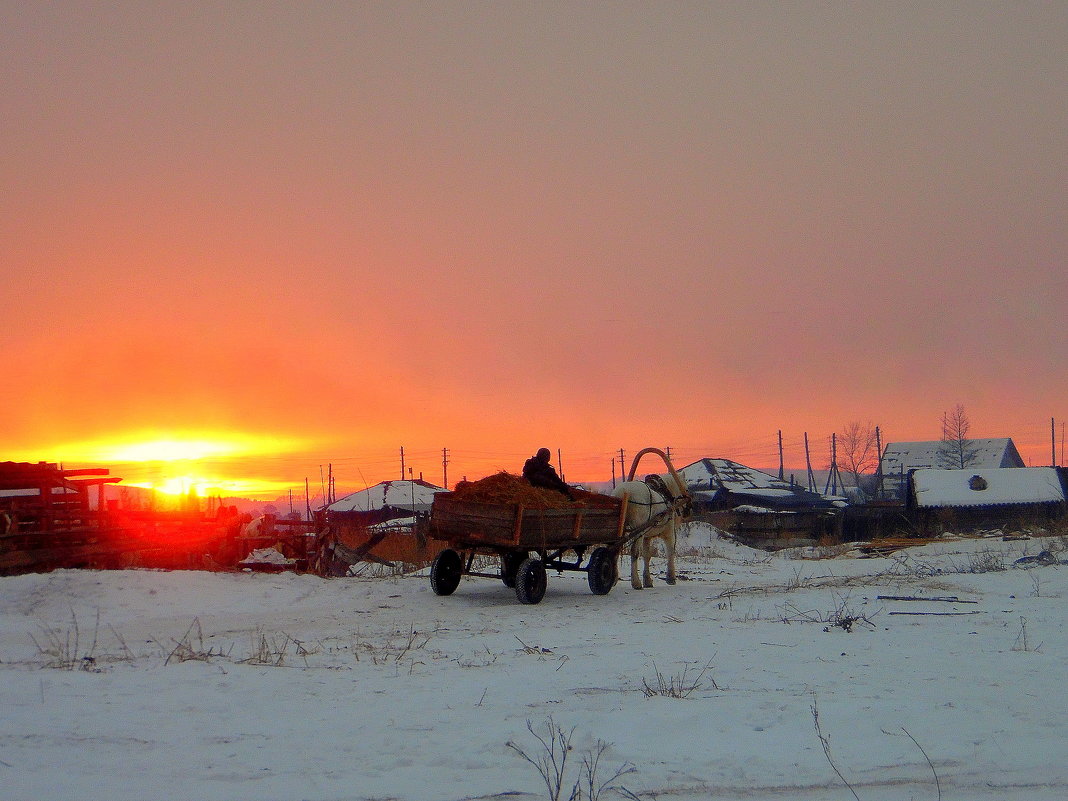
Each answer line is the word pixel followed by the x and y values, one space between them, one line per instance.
pixel 506 488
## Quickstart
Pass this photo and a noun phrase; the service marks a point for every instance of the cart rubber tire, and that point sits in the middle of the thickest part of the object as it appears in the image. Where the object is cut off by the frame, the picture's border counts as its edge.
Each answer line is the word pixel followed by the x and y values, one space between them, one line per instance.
pixel 446 571
pixel 510 563
pixel 602 571
pixel 530 581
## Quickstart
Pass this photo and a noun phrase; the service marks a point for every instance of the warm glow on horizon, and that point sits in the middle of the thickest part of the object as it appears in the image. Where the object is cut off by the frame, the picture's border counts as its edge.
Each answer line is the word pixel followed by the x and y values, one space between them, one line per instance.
pixel 204 487
pixel 152 447
pixel 203 463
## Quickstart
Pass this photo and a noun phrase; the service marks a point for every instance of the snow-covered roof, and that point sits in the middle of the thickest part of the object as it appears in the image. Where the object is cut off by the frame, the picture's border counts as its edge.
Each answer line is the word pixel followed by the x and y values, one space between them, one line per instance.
pixel 401 494
pixel 987 487
pixel 739 480
pixel 730 476
pixel 900 457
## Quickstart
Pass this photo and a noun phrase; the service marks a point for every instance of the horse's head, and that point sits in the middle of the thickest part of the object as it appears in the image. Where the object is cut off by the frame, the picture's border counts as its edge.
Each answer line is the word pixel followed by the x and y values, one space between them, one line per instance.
pixel 671 489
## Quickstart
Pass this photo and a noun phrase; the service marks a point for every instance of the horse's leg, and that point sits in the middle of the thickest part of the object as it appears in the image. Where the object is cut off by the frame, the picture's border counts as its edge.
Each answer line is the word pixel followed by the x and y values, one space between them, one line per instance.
pixel 647 557
pixel 669 544
pixel 634 582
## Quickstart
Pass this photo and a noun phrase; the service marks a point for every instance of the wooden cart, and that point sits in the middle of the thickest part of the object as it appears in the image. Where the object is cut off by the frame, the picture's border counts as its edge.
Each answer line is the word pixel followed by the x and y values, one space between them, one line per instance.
pixel 528 541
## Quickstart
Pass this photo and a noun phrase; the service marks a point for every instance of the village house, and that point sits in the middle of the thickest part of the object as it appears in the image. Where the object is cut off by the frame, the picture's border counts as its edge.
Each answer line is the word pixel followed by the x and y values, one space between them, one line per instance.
pixel 722 484
pixel 758 508
pixel 986 498
pixel 901 457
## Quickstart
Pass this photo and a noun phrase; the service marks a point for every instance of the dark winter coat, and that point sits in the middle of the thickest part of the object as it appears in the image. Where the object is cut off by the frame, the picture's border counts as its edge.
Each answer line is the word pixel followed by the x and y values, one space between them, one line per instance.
pixel 542 474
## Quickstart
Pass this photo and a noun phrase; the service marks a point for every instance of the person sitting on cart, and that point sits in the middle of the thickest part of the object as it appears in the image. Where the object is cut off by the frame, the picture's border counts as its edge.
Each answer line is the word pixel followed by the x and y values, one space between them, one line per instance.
pixel 540 473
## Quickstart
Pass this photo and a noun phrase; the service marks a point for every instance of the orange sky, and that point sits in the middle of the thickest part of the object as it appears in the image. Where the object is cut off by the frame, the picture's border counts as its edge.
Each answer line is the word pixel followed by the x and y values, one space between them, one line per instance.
pixel 328 231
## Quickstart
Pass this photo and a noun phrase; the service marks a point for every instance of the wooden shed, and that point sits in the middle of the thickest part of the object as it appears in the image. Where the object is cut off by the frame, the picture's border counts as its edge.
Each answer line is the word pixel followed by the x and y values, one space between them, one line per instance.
pixel 991 498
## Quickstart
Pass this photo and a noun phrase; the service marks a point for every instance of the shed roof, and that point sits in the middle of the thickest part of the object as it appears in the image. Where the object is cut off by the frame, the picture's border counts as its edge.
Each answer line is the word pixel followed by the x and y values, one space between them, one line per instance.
pixel 900 457
pixel 402 494
pixel 742 481
pixel 987 487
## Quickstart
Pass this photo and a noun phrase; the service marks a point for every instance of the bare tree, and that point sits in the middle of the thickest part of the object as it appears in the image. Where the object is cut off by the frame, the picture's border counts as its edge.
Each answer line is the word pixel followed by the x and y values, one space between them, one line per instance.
pixel 857 449
pixel 957 451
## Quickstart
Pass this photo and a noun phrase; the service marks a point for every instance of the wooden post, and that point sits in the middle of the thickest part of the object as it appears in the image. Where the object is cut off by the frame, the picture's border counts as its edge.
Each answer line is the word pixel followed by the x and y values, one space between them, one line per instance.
pixel 879 463
pixel 518 529
pixel 808 463
pixel 780 456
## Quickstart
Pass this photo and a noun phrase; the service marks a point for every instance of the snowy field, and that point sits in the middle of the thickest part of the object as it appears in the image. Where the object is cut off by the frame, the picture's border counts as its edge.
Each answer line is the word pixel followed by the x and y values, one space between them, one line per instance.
pixel 755 677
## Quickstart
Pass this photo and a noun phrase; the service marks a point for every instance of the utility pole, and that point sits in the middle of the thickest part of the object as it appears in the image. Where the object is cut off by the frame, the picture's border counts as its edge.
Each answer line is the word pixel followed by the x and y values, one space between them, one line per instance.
pixel 402 463
pixel 808 464
pixel 780 456
pixel 667 450
pixel 613 473
pixel 832 479
pixel 560 463
pixel 1053 441
pixel 445 467
pixel 622 467
pixel 307 498
pixel 879 463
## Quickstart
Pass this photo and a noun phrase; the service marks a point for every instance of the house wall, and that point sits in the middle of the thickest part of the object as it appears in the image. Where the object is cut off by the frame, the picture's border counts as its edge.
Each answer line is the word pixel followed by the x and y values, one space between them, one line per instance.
pixel 932 522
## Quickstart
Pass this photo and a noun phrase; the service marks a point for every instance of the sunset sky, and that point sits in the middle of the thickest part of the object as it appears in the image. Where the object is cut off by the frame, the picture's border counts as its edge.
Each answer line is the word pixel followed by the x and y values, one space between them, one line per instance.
pixel 267 237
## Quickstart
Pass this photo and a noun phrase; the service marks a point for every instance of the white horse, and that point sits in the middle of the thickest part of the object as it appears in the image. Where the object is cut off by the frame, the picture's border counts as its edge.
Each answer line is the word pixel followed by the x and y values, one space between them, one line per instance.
pixel 644 504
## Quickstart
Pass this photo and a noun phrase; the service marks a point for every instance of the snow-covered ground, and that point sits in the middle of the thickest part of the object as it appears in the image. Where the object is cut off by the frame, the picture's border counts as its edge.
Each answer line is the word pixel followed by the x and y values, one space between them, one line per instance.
pixel 158 685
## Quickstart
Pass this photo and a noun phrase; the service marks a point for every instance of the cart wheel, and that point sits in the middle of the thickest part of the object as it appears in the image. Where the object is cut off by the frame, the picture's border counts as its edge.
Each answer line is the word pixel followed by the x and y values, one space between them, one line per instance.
pixel 445 573
pixel 510 563
pixel 602 571
pixel 530 581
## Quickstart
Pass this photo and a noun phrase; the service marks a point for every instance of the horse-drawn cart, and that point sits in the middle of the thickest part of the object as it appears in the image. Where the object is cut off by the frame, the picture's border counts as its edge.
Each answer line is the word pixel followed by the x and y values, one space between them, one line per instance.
pixel 528 540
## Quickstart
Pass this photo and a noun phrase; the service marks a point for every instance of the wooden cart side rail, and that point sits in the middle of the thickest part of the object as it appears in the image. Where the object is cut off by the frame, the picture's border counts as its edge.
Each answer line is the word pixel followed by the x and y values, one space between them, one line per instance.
pixel 503 527
pixel 517 530
pixel 576 528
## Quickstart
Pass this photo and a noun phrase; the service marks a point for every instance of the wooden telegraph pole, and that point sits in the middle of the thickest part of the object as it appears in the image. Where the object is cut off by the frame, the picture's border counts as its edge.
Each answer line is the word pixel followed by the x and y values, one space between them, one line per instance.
pixel 808 464
pixel 832 479
pixel 879 463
